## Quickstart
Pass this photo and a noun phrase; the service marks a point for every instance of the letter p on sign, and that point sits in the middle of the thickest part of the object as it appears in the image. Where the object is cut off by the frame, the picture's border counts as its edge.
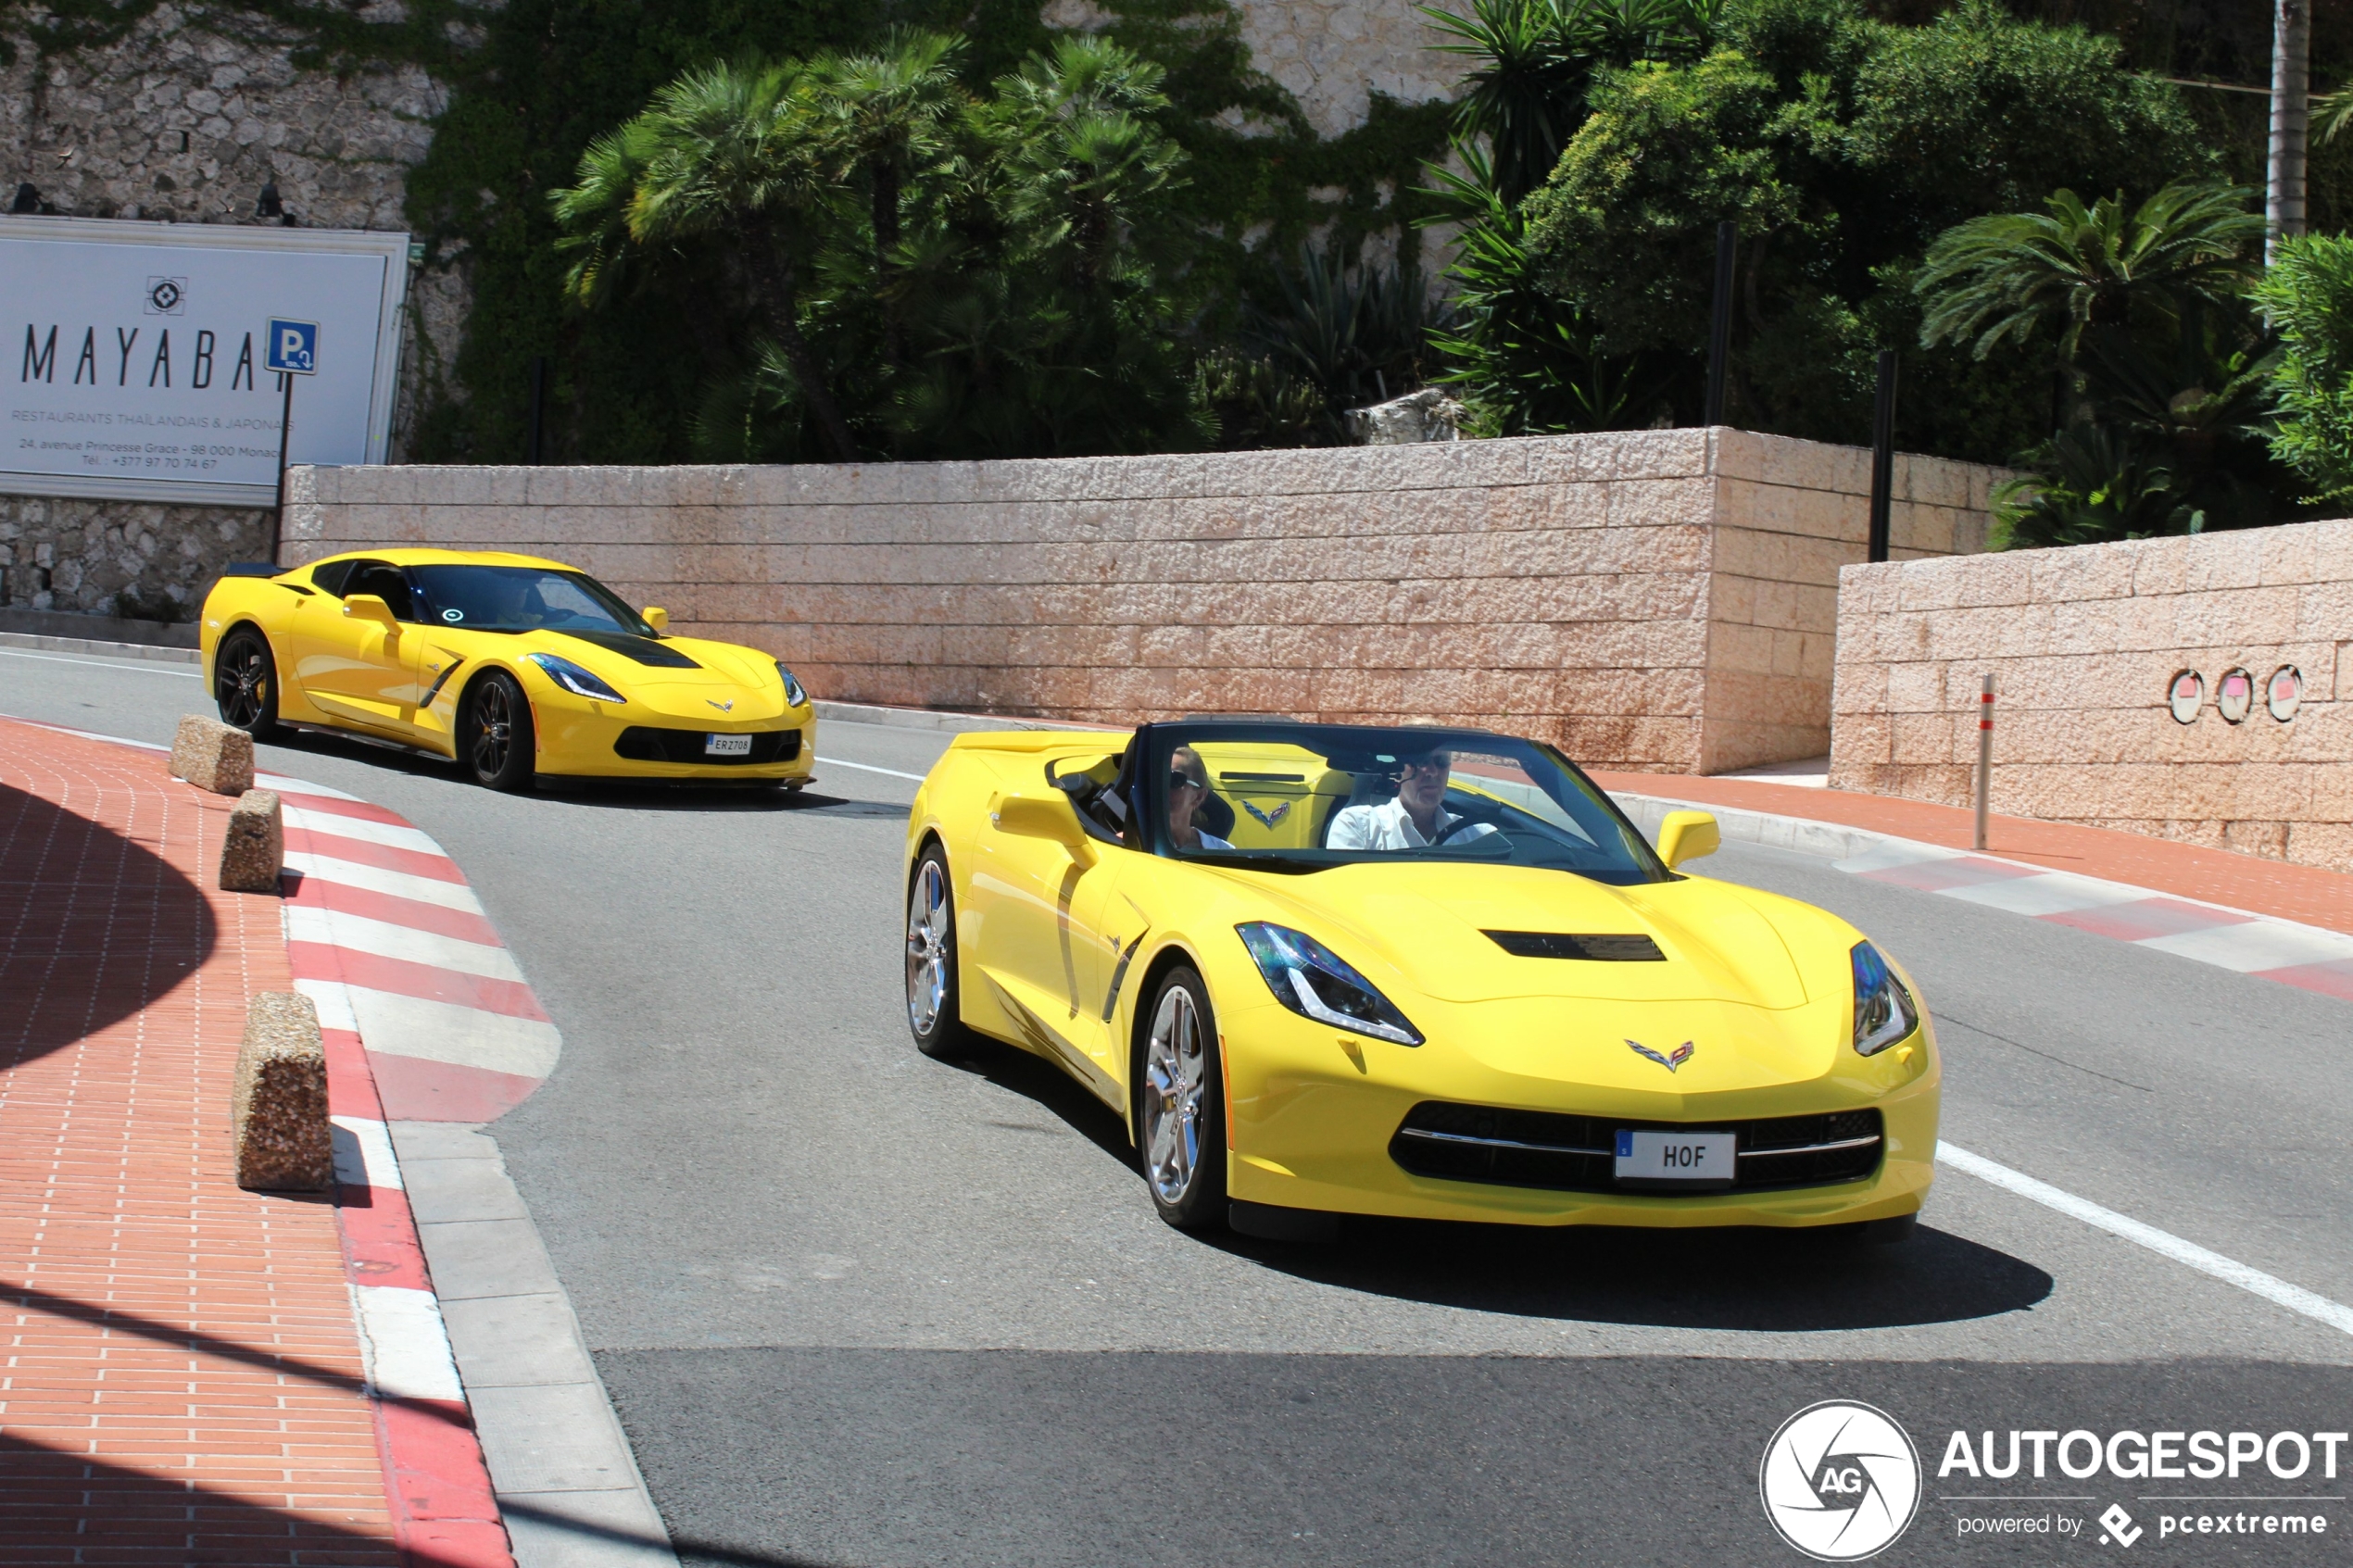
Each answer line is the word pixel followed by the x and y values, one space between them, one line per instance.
pixel 293 347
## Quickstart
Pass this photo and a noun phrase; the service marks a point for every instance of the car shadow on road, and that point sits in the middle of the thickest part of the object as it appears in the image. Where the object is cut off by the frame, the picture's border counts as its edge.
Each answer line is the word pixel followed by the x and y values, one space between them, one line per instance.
pixel 1751 1279
pixel 1746 1278
pixel 609 794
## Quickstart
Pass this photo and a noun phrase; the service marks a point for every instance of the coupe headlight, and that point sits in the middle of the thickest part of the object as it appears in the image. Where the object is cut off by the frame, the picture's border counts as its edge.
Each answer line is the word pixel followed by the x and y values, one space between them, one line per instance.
pixel 573 679
pixel 1884 1011
pixel 1310 979
pixel 794 696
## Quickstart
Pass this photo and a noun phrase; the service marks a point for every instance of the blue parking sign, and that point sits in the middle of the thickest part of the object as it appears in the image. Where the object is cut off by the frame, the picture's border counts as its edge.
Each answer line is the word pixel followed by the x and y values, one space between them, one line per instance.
pixel 293 347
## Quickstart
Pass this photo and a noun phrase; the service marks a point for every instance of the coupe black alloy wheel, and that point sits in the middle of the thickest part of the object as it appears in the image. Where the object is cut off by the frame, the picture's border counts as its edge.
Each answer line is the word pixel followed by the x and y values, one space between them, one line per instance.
pixel 246 684
pixel 497 736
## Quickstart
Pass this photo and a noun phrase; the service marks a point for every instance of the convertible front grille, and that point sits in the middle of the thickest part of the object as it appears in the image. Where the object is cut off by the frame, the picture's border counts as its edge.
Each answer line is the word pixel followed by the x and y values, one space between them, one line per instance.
pixel 642 743
pixel 1539 1148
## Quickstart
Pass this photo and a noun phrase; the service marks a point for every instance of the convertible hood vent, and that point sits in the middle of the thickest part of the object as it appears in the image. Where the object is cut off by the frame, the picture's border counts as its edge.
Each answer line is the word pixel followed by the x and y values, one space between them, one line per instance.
pixel 1635 948
pixel 645 650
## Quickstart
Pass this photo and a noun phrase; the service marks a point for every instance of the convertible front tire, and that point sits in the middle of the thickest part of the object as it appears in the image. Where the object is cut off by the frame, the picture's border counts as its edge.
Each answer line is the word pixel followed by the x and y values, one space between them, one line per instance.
pixel 933 1015
pixel 1180 1105
pixel 496 741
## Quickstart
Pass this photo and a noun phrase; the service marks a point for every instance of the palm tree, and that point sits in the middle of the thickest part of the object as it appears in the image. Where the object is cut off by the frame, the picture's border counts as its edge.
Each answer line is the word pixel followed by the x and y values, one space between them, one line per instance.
pixel 730 150
pixel 1087 152
pixel 888 116
pixel 2007 275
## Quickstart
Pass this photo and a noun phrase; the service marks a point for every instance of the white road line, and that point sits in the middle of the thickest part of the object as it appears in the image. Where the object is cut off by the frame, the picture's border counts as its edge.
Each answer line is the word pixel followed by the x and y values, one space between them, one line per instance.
pixel 334 928
pixel 107 664
pixel 364 1157
pixel 399 884
pixel 334 825
pixel 403 1345
pixel 2294 1298
pixel 870 768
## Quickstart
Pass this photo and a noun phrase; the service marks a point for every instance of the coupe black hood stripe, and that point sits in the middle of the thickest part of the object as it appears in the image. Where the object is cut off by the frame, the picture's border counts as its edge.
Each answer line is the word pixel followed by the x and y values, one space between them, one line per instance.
pixel 645 650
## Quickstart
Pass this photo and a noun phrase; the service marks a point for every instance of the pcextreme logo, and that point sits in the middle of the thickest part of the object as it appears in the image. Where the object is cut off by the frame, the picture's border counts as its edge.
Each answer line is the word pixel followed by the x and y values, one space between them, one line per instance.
pixel 1841 1481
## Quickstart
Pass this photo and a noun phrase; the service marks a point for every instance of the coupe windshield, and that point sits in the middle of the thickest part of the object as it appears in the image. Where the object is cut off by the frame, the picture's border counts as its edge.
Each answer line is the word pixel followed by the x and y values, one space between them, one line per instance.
pixel 522 598
pixel 1302 797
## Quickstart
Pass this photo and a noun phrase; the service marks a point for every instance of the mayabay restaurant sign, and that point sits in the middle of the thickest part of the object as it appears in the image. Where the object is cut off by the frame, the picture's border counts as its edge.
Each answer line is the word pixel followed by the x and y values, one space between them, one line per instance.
pixel 133 361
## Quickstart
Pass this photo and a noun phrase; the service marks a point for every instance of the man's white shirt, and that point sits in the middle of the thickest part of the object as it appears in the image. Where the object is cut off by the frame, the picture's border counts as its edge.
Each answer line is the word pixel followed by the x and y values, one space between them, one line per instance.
pixel 1387 827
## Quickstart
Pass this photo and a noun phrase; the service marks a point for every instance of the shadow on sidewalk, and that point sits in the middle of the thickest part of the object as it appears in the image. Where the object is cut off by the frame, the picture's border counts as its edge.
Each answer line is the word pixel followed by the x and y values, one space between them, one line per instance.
pixel 94 926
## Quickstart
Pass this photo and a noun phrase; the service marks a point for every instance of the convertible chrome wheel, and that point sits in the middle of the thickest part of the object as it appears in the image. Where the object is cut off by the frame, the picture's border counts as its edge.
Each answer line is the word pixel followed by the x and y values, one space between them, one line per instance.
pixel 245 684
pixel 1176 1095
pixel 927 949
pixel 932 1014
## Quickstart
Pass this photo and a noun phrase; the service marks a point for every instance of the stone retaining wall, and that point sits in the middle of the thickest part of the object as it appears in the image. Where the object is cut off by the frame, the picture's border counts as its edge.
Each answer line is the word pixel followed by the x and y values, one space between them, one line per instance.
pixel 1657 599
pixel 2084 645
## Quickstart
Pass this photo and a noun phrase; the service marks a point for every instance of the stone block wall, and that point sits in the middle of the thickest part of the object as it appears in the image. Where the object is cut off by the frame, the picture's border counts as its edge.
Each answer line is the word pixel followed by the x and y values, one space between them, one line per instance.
pixel 2084 645
pixel 135 560
pixel 1632 595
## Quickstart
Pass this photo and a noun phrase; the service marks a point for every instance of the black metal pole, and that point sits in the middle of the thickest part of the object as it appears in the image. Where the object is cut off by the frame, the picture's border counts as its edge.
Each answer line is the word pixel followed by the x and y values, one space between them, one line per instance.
pixel 286 425
pixel 1719 330
pixel 1882 453
pixel 538 404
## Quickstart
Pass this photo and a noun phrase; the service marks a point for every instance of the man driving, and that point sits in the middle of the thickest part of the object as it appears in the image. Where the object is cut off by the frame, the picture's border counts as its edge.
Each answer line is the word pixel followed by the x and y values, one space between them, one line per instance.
pixel 1415 819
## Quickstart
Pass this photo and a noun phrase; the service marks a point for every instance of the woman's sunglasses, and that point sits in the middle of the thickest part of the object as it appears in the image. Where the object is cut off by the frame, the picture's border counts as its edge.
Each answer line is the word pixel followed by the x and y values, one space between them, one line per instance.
pixel 1186 781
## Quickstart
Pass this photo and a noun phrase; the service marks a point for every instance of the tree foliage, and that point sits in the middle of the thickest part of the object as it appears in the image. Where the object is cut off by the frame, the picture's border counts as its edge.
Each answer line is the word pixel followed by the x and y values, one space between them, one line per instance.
pixel 2308 295
pixel 1842 147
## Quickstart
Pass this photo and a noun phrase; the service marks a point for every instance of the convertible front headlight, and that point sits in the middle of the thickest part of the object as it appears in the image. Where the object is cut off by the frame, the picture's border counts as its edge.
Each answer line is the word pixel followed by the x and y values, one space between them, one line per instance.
pixel 794 696
pixel 1884 1011
pixel 573 679
pixel 1310 979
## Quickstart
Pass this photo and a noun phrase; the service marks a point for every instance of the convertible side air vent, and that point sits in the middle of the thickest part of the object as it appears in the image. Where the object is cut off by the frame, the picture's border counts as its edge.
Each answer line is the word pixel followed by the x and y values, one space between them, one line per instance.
pixel 1635 948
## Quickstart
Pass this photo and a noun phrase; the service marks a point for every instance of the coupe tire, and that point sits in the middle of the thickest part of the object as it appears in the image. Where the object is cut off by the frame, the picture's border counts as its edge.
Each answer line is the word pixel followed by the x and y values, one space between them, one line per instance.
pixel 245 683
pixel 1180 1105
pixel 495 738
pixel 933 1011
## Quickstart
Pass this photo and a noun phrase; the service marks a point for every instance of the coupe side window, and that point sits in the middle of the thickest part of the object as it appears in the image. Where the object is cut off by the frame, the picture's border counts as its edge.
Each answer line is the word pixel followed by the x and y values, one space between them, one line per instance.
pixel 388 584
pixel 328 578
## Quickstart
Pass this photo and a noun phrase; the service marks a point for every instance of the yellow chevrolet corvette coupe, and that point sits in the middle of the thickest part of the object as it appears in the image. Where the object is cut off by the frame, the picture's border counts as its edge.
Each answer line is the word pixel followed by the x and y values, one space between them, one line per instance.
pixel 515 668
pixel 1430 972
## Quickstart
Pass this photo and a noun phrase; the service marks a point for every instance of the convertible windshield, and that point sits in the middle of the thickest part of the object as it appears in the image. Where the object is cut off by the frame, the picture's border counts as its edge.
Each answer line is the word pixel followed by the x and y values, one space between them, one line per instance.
pixel 1303 796
pixel 522 598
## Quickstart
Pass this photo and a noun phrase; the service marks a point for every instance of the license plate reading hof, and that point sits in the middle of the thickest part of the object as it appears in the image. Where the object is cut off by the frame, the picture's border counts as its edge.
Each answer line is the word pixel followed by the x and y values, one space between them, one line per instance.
pixel 726 746
pixel 1681 1160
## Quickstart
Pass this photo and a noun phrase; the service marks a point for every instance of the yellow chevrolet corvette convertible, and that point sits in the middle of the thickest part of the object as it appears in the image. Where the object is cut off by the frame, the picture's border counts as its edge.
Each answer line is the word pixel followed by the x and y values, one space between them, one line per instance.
pixel 515 668
pixel 1430 972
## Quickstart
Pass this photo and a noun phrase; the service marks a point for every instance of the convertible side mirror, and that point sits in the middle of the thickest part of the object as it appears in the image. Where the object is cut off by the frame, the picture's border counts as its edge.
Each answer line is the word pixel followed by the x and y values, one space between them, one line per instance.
pixel 1687 835
pixel 371 607
pixel 1033 816
pixel 657 618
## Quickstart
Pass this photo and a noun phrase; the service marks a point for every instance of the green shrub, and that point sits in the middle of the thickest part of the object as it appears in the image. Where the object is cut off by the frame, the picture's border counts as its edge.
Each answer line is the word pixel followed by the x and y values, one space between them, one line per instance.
pixel 2308 294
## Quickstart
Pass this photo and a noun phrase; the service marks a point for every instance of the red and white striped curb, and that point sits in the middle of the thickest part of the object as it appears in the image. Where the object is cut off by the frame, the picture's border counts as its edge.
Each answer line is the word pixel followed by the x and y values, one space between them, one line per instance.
pixel 2266 948
pixel 387 939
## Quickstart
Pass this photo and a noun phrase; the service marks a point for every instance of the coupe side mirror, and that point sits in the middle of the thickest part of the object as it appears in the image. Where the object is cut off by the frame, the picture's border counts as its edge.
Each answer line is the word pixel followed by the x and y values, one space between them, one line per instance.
pixel 657 618
pixel 1687 835
pixel 371 607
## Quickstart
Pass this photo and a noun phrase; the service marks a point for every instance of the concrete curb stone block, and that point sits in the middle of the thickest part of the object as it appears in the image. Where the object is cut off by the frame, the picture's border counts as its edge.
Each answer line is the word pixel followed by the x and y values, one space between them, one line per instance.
pixel 254 850
pixel 211 754
pixel 278 1101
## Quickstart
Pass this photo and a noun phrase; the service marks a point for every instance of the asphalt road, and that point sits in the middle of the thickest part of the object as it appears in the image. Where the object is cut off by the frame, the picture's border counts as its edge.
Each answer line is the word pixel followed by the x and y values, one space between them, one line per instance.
pixel 859 1308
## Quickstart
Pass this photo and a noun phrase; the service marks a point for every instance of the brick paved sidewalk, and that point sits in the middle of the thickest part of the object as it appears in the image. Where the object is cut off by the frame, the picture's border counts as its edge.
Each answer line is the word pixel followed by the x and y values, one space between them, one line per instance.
pixel 180 1372
pixel 2305 894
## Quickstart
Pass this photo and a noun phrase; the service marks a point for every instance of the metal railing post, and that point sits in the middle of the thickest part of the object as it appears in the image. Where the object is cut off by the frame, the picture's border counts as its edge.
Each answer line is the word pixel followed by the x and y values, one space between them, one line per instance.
pixel 1984 757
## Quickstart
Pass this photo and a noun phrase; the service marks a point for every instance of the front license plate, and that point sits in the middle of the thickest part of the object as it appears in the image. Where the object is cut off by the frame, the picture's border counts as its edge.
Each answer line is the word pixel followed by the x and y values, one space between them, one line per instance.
pixel 1675 1160
pixel 726 746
